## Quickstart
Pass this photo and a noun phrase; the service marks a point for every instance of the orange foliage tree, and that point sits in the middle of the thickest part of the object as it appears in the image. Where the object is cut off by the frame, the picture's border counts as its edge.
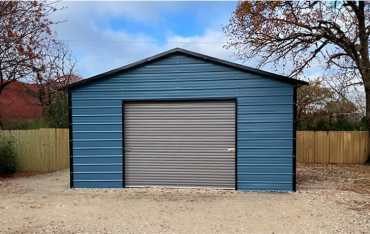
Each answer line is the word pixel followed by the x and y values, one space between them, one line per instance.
pixel 29 50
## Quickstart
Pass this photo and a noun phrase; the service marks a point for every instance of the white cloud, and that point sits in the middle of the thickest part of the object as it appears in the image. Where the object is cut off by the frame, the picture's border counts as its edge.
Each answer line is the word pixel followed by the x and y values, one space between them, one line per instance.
pixel 98 49
pixel 119 48
pixel 211 43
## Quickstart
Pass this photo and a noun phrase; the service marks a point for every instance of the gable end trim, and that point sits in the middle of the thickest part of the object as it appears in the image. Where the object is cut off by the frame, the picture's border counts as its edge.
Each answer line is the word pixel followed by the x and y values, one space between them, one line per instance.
pixel 203 57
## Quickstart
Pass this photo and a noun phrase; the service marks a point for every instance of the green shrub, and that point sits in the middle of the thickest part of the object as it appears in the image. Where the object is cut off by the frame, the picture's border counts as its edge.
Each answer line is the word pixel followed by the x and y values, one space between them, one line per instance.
pixel 7 155
pixel 57 112
pixel 25 124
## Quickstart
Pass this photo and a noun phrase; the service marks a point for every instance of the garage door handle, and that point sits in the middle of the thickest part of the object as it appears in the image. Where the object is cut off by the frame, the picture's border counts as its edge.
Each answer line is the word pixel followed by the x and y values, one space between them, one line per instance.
pixel 230 149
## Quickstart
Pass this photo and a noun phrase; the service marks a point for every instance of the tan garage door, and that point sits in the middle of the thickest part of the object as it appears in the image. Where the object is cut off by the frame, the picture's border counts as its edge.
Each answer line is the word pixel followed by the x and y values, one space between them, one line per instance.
pixel 180 144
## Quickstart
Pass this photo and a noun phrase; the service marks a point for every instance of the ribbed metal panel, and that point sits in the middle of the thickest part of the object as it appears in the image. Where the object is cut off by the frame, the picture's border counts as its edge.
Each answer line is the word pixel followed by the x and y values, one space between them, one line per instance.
pixel 180 144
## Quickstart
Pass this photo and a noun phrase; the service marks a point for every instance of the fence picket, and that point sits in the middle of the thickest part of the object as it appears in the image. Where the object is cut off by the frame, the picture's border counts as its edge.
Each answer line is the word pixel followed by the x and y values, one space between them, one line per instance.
pixel 348 147
pixel 40 150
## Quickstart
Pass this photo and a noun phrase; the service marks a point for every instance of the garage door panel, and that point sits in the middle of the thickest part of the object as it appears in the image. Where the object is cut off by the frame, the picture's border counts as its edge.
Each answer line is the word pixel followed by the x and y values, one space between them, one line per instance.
pixel 170 151
pixel 179 105
pixel 180 171
pixel 198 116
pixel 163 177
pixel 171 134
pixel 189 167
pixel 174 124
pixel 174 128
pixel 177 154
pixel 180 144
pixel 174 141
pixel 184 183
pixel 171 113
pixel 175 138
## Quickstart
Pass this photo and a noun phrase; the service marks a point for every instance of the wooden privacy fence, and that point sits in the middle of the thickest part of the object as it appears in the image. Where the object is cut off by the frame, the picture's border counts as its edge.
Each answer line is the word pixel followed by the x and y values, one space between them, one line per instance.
pixel 332 146
pixel 41 150
pixel 47 149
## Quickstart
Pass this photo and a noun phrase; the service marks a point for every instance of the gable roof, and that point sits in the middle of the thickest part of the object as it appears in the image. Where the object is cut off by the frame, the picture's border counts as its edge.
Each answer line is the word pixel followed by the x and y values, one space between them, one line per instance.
pixel 203 57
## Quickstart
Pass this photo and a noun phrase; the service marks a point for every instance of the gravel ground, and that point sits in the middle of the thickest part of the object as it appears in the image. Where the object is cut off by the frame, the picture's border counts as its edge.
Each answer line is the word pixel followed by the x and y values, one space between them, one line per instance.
pixel 329 200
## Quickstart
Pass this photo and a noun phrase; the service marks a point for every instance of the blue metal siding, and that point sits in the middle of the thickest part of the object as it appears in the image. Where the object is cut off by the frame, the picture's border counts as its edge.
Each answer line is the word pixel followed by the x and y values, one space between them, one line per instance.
pixel 265 119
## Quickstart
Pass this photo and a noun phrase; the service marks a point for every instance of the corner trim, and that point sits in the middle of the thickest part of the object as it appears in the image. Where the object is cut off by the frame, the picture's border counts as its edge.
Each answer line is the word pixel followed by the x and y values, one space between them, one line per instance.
pixel 294 179
pixel 70 132
pixel 236 143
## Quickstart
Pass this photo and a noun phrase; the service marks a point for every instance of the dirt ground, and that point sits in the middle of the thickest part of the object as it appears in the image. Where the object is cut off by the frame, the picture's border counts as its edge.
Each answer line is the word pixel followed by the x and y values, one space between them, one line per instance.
pixel 334 199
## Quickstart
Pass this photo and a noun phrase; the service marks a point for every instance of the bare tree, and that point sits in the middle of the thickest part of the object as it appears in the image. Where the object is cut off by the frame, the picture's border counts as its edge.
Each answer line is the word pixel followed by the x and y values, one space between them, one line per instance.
pixel 58 73
pixel 347 88
pixel 300 33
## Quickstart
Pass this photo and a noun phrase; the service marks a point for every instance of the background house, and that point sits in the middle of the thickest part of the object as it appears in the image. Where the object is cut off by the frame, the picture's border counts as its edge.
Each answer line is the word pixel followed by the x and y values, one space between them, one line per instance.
pixel 23 103
pixel 20 102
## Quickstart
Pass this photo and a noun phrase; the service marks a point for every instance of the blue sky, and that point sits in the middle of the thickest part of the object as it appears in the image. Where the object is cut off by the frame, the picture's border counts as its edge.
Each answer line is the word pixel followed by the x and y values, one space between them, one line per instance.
pixel 105 35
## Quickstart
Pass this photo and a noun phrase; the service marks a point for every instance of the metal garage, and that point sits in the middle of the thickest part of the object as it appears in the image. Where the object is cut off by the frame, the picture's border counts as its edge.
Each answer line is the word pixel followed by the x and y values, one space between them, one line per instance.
pixel 183 119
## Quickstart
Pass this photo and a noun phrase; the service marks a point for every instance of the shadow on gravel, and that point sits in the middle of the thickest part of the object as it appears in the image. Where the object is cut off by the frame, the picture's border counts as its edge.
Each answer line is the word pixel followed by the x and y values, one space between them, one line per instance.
pixel 354 178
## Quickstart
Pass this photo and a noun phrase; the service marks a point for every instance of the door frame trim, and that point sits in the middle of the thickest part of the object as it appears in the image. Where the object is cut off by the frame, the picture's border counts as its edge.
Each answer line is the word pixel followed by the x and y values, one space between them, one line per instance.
pixel 205 99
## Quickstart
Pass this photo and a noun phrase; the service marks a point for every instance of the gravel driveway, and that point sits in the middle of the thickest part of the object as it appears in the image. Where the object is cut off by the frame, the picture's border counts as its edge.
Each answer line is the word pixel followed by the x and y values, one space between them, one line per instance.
pixel 329 200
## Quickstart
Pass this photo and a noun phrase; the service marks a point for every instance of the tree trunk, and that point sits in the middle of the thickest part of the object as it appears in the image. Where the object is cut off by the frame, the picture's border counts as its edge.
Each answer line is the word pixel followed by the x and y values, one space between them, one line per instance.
pixel 367 94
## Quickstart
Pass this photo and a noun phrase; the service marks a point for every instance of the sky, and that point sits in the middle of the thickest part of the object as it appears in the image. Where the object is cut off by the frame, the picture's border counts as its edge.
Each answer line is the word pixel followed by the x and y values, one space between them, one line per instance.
pixel 106 35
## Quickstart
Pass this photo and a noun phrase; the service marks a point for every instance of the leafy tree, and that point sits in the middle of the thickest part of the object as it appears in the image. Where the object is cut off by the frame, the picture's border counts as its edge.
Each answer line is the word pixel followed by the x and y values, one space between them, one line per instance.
pixel 24 35
pixel 57 111
pixel 55 99
pixel 29 50
pixel 321 108
pixel 312 97
pixel 300 33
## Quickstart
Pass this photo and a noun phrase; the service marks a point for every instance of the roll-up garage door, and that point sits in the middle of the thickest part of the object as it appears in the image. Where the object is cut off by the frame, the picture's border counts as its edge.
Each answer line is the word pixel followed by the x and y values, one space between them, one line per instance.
pixel 180 144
